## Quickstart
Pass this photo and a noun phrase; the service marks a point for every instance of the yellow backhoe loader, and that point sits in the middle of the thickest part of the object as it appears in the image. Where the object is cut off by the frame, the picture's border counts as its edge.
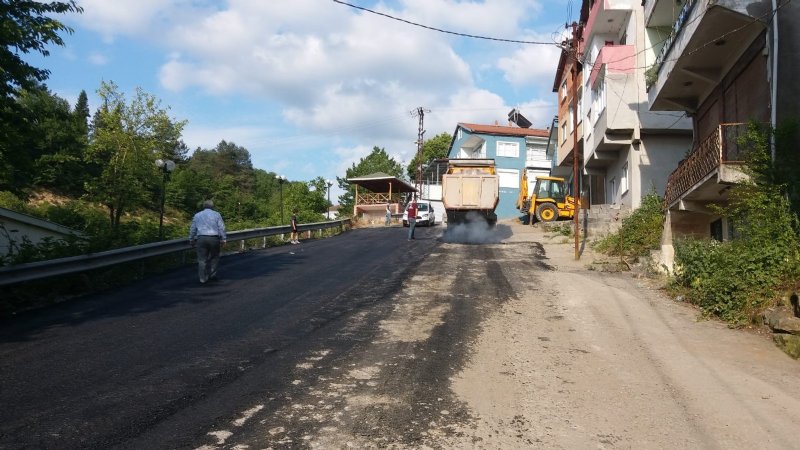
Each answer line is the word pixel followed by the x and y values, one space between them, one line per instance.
pixel 548 201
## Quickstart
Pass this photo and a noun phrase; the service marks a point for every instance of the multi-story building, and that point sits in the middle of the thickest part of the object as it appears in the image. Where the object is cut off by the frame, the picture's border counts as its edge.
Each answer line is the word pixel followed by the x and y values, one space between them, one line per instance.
pixel 718 61
pixel 566 133
pixel 628 150
pixel 514 150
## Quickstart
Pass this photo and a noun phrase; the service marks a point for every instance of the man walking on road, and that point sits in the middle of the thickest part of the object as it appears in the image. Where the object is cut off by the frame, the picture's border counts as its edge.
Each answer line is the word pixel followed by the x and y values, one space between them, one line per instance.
pixel 207 235
pixel 412 218
pixel 294 237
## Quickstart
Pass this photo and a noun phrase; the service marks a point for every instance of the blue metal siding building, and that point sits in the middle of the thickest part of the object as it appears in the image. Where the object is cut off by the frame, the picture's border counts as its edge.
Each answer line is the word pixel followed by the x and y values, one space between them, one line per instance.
pixel 509 147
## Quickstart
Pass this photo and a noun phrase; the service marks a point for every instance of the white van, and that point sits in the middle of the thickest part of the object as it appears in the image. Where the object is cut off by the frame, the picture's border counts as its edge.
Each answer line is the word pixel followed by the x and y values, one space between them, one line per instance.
pixel 426 215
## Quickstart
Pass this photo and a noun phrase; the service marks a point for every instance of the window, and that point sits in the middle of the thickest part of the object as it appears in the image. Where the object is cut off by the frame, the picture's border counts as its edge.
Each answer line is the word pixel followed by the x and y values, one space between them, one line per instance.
pixel 564 90
pixel 612 190
pixel 580 106
pixel 571 120
pixel 598 100
pixel 623 179
pixel 564 131
pixel 473 152
pixel 508 149
pixel 509 178
pixel 536 153
pixel 551 189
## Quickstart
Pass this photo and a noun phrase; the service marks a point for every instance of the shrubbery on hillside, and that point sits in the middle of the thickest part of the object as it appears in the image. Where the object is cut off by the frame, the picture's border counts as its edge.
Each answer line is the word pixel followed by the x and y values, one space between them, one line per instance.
pixel 736 280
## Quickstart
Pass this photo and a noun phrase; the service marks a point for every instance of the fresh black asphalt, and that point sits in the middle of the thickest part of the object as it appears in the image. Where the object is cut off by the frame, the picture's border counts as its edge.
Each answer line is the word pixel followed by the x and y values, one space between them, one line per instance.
pixel 160 363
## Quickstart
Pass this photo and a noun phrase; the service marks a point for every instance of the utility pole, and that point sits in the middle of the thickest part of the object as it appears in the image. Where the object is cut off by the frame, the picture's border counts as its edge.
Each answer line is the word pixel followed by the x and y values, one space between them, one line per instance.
pixel 419 113
pixel 573 52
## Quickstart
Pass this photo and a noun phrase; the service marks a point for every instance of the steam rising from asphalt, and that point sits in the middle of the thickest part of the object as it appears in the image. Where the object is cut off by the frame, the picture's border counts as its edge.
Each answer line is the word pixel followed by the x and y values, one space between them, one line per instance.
pixel 474 231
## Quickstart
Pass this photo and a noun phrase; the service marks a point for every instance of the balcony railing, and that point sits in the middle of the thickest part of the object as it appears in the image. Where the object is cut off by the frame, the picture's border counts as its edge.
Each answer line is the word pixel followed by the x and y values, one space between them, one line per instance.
pixel 721 147
pixel 371 198
pixel 683 16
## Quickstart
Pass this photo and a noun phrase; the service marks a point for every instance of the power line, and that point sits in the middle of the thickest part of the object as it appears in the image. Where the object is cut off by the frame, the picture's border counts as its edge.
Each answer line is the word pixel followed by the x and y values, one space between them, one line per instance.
pixel 473 36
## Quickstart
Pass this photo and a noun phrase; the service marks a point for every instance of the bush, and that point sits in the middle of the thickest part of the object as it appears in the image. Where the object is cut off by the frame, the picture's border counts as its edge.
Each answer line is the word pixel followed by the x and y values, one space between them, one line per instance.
pixel 736 280
pixel 639 233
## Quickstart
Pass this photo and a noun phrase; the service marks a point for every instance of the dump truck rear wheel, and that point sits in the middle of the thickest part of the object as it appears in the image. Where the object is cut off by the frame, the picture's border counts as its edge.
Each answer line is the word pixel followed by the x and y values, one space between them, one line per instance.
pixel 546 212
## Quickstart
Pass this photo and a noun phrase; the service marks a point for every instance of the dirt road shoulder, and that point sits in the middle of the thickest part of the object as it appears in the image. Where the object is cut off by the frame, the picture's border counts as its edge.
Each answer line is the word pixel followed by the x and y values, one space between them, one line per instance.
pixel 583 359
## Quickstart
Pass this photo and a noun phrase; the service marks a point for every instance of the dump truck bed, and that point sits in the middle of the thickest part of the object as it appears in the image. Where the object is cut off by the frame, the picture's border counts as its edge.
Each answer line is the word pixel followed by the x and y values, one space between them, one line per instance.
pixel 470 186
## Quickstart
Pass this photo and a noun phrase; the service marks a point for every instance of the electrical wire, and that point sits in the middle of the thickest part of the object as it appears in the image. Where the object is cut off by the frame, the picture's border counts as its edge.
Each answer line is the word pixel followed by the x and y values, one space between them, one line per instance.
pixel 473 36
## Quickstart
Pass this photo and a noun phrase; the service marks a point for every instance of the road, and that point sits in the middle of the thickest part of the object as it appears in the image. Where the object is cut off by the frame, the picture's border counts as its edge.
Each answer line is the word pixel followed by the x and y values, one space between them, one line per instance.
pixel 367 340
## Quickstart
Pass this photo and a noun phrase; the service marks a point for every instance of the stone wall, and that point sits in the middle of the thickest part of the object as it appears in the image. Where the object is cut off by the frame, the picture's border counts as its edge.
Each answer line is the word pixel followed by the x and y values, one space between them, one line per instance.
pixel 785 324
pixel 601 220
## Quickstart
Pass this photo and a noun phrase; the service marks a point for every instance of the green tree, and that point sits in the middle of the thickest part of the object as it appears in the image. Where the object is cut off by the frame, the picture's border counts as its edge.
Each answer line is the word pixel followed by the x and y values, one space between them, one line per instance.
pixel 308 198
pixel 28 26
pixel 377 161
pixel 81 112
pixel 58 139
pixel 434 148
pixel 126 139
pixel 25 26
pixel 224 173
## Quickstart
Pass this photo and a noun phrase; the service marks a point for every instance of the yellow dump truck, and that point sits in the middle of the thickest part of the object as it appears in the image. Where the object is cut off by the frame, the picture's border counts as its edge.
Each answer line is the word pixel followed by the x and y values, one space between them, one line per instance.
pixel 470 187
pixel 548 200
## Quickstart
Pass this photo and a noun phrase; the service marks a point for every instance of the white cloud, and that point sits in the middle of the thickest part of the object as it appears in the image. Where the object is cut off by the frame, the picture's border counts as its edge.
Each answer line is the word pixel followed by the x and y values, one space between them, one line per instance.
pixel 98 59
pixel 498 18
pixel 112 18
pixel 344 80
pixel 532 64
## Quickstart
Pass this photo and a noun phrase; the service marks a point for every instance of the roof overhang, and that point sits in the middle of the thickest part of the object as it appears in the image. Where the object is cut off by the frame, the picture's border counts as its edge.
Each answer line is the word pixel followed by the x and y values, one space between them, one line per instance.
pixel 380 182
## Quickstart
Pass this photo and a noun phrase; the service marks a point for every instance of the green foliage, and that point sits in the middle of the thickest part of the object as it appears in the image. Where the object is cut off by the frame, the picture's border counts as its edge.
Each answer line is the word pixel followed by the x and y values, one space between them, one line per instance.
pixel 563 229
pixel 28 26
pixel 10 201
pixel 785 172
pixel 126 140
pixel 45 145
pixel 434 148
pixel 651 75
pixel 25 27
pixel 639 233
pixel 735 280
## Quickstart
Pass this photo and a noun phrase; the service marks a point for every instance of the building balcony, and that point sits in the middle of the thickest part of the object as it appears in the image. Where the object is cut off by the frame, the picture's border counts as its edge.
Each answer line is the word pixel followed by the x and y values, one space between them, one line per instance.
pixel 703 176
pixel 607 17
pixel 704 40
pixel 565 151
pixel 613 59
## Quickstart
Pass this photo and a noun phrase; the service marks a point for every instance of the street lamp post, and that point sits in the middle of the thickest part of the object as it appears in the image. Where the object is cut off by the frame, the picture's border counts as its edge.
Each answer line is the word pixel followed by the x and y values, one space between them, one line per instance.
pixel 329 183
pixel 166 166
pixel 281 179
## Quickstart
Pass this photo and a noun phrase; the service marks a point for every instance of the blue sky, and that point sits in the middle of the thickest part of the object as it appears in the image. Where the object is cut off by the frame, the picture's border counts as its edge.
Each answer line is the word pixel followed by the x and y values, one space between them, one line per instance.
pixel 310 86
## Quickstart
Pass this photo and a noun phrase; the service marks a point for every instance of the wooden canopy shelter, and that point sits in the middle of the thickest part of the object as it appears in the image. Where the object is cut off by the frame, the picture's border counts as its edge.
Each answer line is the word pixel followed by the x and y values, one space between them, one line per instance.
pixel 373 192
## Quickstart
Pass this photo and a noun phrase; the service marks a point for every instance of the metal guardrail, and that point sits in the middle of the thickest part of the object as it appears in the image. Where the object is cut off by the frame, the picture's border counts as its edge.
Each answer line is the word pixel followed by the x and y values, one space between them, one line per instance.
pixel 73 264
